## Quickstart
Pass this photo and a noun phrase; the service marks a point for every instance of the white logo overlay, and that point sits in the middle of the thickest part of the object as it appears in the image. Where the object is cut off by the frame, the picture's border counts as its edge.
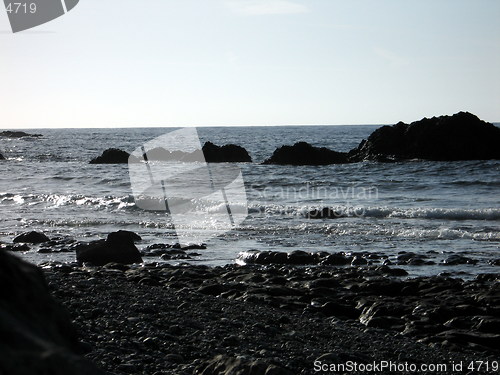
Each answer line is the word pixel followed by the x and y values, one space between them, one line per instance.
pixel 202 200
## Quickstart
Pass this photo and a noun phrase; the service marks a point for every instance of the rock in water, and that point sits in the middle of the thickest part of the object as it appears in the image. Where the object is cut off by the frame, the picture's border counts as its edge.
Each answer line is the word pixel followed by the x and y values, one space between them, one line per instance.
pixel 302 153
pixel 226 153
pixel 462 136
pixel 17 134
pixel 117 248
pixel 31 237
pixel 112 156
pixel 36 332
pixel 1 157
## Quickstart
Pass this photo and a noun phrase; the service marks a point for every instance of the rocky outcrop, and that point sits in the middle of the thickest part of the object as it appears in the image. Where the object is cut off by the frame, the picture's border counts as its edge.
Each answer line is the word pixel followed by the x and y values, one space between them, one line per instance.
pixel 31 237
pixel 302 153
pixel 17 134
pixel 36 332
pixel 119 247
pixel 227 153
pixel 226 365
pixel 112 156
pixel 210 152
pixel 462 136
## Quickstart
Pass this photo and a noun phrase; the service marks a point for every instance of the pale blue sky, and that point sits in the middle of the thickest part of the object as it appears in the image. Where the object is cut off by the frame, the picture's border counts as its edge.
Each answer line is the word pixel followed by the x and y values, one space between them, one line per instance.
pixel 118 63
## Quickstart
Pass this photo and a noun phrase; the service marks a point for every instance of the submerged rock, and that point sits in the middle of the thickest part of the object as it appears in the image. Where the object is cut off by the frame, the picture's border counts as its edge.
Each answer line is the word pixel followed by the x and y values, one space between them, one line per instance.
pixel 112 156
pixel 462 136
pixel 31 237
pixel 302 153
pixel 37 334
pixel 117 248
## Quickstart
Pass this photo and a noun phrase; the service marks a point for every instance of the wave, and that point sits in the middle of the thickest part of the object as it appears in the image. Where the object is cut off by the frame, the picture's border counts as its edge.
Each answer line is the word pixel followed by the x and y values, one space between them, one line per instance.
pixel 383 212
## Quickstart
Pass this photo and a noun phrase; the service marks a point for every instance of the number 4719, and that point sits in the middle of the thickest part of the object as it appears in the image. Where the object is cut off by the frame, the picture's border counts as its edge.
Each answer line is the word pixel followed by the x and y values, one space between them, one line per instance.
pixel 21 8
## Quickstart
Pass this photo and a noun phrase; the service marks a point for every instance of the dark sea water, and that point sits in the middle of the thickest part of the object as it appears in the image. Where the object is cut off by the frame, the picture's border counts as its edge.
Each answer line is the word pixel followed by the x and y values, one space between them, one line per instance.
pixel 431 208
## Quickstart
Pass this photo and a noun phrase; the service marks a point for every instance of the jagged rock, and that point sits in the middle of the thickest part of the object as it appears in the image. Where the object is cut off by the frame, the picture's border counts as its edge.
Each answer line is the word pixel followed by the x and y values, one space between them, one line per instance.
pixel 227 153
pixel 462 136
pixel 302 153
pixel 325 213
pixel 36 332
pixel 17 134
pixel 113 156
pixel 117 248
pixel 31 237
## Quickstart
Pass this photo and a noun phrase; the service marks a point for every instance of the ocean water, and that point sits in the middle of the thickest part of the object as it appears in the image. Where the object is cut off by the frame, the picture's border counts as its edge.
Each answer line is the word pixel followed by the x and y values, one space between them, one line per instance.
pixel 430 208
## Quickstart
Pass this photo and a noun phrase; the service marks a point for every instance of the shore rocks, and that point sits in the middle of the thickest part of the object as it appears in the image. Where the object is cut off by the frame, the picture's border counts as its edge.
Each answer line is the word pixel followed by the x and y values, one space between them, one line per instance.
pixel 17 134
pixel 112 156
pixel 462 136
pixel 226 365
pixel 31 237
pixel 117 248
pixel 227 153
pixel 37 336
pixel 2 157
pixel 302 153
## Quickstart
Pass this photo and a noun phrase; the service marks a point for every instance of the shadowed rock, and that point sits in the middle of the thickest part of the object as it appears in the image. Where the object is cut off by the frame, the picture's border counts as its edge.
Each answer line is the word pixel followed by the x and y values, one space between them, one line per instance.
pixel 117 248
pixel 36 332
pixel 2 157
pixel 17 134
pixel 112 156
pixel 31 237
pixel 228 153
pixel 462 136
pixel 302 153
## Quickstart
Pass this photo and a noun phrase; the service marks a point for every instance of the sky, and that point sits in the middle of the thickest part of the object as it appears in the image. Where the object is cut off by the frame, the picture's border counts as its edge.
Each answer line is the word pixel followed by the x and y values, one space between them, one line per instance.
pixel 124 63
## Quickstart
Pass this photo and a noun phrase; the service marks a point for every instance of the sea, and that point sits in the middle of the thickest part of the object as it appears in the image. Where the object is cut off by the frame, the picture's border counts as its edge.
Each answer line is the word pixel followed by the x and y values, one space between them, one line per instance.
pixel 435 209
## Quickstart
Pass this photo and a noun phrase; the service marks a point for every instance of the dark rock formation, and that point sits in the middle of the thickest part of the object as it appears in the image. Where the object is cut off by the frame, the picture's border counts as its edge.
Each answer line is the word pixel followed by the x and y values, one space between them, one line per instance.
pixel 117 248
pixel 227 153
pixel 17 134
pixel 325 213
pixel 210 153
pixel 302 153
pixel 112 156
pixel 225 365
pixel 2 157
pixel 31 237
pixel 462 136
pixel 36 332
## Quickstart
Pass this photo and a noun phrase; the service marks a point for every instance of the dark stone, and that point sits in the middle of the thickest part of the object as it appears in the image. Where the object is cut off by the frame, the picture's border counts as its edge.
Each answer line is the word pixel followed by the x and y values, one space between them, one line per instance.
pixel 17 247
pixel 227 153
pixel 359 261
pixel 301 257
pixel 2 157
pixel 339 310
pixel 302 153
pixel 456 259
pixel 325 213
pixel 113 156
pixel 462 136
pixel 31 237
pixel 17 134
pixel 336 260
pixel 117 248
pixel 37 334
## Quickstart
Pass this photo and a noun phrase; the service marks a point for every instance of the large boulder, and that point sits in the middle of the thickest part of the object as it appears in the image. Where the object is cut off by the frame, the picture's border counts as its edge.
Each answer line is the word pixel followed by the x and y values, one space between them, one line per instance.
pixel 302 153
pixel 2 157
pixel 31 237
pixel 36 335
pixel 462 136
pixel 112 156
pixel 117 248
pixel 227 153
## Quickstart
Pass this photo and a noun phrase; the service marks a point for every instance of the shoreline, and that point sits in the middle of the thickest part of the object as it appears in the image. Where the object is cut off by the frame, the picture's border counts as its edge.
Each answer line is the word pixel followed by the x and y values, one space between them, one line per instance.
pixel 159 318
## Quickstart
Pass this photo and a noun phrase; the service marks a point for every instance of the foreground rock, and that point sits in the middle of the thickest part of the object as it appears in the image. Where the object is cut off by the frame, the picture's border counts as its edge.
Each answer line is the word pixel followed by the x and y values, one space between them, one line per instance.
pixel 164 319
pixel 17 134
pixel 2 157
pixel 37 336
pixel 119 247
pixel 112 156
pixel 31 237
pixel 302 153
pixel 462 136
